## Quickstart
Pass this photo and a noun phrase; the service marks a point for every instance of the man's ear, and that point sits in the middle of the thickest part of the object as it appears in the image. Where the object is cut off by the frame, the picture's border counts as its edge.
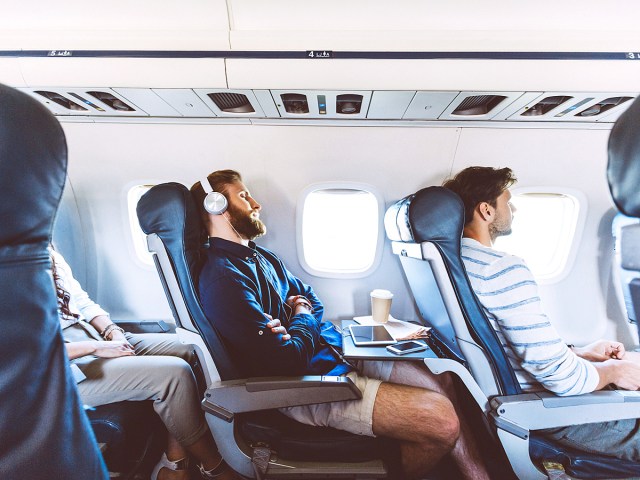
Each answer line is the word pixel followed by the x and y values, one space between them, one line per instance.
pixel 485 210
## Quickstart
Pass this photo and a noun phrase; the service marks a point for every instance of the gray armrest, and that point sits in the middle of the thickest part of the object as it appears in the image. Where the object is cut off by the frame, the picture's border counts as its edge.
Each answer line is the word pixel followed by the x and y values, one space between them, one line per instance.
pixel 146 326
pixel 224 399
pixel 535 411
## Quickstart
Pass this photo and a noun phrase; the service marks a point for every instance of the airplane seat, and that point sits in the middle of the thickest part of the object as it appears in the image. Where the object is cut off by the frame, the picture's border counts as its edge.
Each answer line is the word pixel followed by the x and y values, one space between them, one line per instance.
pixel 254 438
pixel 41 415
pixel 425 229
pixel 623 175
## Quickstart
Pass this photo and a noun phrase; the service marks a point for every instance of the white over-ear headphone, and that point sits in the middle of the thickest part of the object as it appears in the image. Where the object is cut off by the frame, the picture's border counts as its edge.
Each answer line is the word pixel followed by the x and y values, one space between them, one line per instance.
pixel 214 202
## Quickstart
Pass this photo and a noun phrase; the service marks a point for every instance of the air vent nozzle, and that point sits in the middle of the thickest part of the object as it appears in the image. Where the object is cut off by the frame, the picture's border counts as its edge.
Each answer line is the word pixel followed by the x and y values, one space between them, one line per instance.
pixel 231 102
pixel 295 103
pixel 348 104
pixel 603 106
pixel 111 101
pixel 478 105
pixel 546 105
pixel 61 100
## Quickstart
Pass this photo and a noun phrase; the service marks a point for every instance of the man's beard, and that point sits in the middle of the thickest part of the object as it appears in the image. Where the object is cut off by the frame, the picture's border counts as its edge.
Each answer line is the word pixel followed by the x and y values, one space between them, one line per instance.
pixel 499 228
pixel 245 225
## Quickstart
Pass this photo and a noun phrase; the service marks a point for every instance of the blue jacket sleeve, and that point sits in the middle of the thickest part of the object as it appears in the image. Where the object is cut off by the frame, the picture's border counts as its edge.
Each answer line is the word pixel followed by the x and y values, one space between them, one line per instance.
pixel 233 307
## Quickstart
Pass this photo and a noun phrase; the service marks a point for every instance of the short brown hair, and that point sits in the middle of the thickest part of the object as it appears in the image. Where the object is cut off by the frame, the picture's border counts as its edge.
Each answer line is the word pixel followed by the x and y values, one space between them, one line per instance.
pixel 480 184
pixel 218 181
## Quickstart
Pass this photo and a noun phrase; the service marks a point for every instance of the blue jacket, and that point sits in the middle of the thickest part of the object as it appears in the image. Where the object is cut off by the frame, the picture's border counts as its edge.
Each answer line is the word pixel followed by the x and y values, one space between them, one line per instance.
pixel 238 285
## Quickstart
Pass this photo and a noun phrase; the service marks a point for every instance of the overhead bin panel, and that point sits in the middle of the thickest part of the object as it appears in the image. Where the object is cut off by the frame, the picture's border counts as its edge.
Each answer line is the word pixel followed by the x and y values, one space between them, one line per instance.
pixel 115 25
pixel 231 103
pixel 431 25
pixel 322 104
pixel 148 101
pixel 478 105
pixel 389 105
pixel 573 107
pixel 85 102
pixel 185 101
pixel 429 105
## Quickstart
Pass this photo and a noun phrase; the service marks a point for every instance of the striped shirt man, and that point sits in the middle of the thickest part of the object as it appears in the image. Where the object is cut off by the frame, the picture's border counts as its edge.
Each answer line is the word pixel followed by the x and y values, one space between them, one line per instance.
pixel 509 294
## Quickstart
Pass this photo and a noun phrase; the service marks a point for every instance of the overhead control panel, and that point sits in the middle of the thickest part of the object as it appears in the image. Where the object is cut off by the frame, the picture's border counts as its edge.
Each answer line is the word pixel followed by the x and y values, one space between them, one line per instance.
pixel 211 103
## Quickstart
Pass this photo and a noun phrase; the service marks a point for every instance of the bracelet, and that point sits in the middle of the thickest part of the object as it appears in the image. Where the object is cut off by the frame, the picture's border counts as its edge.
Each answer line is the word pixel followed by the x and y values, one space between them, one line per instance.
pixel 109 329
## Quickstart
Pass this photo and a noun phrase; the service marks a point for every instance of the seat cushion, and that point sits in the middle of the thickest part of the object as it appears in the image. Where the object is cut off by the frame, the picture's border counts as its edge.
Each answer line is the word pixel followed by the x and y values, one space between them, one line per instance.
pixel 296 441
pixel 581 464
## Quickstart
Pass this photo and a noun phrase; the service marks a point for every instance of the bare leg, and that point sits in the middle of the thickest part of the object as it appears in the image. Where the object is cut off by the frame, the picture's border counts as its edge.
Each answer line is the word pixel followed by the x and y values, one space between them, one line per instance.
pixel 424 421
pixel 175 452
pixel 465 453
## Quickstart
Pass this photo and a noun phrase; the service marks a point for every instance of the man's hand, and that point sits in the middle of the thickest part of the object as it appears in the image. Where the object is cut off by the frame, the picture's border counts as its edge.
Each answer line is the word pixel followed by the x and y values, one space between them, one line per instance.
pixel 601 351
pixel 276 327
pixel 622 373
pixel 113 349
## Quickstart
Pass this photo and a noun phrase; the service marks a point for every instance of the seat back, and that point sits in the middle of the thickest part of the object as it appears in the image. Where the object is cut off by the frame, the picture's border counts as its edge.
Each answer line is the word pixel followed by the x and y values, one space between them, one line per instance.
pixel 623 175
pixel 45 433
pixel 169 217
pixel 426 229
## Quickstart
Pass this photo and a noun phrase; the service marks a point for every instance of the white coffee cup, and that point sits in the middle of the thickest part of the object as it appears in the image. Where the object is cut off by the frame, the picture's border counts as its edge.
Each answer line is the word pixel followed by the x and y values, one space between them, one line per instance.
pixel 381 305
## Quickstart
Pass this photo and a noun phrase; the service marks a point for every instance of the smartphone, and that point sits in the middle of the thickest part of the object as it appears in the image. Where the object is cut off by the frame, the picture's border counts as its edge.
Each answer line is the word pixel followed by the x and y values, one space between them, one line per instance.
pixel 403 348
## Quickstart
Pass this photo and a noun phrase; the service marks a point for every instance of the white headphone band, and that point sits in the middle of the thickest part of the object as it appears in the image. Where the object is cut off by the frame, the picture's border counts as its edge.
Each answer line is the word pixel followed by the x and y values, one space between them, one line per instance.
pixel 206 186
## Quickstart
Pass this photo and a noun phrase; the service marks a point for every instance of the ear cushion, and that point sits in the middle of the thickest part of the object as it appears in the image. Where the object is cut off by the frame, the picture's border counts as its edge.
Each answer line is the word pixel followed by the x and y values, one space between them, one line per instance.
pixel 215 203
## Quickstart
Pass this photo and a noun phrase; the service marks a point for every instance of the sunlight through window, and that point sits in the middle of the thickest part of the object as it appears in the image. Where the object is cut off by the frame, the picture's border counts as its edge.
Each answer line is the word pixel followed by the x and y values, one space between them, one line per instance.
pixel 544 226
pixel 340 230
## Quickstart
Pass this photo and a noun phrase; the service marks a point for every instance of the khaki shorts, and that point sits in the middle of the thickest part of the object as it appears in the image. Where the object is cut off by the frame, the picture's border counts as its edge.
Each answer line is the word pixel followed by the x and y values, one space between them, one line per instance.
pixel 353 416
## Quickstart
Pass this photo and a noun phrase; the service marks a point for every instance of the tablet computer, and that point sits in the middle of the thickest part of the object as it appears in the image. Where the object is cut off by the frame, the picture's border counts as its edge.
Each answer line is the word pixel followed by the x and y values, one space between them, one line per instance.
pixel 371 335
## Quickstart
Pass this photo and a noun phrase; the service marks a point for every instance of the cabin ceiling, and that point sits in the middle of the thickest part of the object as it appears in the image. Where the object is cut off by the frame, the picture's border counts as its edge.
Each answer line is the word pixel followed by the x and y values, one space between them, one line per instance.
pixel 457 61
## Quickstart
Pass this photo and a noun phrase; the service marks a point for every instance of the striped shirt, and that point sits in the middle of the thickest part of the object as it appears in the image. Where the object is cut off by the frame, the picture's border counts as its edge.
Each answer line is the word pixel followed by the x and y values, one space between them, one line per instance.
pixel 509 294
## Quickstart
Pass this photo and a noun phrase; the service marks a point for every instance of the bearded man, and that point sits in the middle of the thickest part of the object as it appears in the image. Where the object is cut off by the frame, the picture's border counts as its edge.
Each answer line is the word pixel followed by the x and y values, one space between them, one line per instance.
pixel 271 322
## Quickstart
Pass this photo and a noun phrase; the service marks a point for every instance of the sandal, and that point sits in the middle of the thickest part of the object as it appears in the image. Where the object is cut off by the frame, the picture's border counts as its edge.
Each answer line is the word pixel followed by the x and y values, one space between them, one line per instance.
pixel 214 472
pixel 182 464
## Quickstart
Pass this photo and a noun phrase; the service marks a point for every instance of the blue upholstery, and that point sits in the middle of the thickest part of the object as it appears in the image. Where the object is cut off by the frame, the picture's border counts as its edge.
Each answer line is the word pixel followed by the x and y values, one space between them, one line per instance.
pixel 623 169
pixel 168 211
pixel 45 433
pixel 436 215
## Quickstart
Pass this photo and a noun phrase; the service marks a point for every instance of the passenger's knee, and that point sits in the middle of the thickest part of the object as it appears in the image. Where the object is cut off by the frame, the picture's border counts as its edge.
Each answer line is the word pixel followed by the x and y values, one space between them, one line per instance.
pixel 442 424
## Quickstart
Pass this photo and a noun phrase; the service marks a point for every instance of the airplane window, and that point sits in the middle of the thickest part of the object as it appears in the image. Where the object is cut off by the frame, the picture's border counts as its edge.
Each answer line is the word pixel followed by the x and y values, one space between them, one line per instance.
pixel 544 227
pixel 138 236
pixel 340 231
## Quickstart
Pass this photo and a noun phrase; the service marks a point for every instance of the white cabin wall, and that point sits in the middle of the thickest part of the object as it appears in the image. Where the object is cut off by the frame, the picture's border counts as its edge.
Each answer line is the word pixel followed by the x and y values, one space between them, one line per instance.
pixel 279 161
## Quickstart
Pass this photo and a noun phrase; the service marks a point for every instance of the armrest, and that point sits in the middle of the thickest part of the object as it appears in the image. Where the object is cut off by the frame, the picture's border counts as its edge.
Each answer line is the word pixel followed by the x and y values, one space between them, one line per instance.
pixel 145 326
pixel 224 399
pixel 535 411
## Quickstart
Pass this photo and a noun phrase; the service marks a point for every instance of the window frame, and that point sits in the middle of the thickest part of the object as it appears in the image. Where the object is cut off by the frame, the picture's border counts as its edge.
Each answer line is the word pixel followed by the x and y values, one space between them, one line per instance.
pixel 580 198
pixel 377 258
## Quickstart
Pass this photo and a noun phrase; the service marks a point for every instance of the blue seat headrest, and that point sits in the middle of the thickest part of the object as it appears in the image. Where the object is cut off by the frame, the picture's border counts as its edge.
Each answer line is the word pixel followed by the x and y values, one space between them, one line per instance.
pixel 33 165
pixel 429 215
pixel 168 210
pixel 40 403
pixel 623 170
